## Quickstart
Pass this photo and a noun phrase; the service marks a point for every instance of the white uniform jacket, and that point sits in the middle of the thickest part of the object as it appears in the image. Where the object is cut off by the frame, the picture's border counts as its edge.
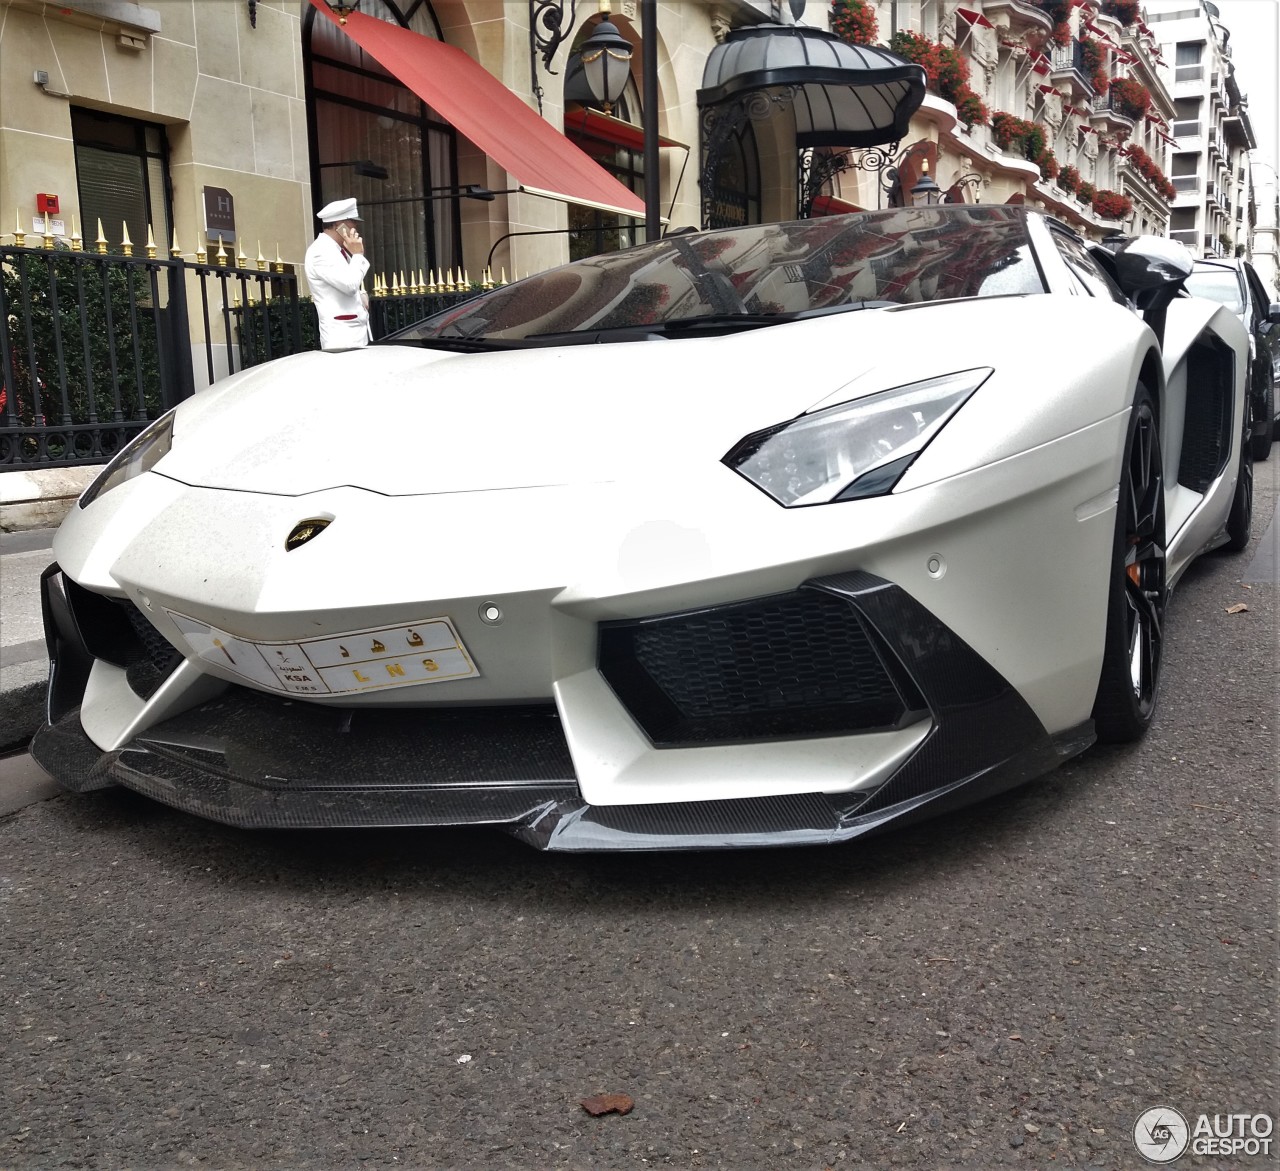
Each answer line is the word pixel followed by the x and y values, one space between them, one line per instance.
pixel 336 288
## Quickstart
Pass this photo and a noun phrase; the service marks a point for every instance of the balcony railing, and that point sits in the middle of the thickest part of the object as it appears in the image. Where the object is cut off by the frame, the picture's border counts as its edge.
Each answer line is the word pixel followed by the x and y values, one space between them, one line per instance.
pixel 1071 57
pixel 1107 104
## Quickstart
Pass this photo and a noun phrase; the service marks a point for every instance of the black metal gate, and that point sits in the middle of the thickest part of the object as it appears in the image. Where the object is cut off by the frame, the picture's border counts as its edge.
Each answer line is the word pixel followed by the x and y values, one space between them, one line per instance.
pixel 95 345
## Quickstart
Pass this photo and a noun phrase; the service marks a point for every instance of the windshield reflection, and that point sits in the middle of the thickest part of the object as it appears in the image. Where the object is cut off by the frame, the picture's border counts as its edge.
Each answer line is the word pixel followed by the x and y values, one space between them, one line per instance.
pixel 903 256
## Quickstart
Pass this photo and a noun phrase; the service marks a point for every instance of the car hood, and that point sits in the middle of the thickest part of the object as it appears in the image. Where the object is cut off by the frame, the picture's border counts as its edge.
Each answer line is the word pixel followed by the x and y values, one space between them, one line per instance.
pixel 402 420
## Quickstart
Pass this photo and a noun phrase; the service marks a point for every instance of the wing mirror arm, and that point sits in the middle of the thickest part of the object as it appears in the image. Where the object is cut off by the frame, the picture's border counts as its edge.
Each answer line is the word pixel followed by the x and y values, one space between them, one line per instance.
pixel 1150 270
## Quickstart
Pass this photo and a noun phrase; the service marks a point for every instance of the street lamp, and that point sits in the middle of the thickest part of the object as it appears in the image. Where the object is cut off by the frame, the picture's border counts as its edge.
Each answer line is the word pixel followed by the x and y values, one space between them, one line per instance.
pixel 606 63
pixel 926 193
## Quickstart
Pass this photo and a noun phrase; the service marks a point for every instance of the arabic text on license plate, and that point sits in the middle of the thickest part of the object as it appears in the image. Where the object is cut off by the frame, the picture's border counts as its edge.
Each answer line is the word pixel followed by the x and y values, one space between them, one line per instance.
pixel 395 656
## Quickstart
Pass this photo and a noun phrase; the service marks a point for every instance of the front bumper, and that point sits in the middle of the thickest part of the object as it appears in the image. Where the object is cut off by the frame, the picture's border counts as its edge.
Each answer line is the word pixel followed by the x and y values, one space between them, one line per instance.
pixel 262 761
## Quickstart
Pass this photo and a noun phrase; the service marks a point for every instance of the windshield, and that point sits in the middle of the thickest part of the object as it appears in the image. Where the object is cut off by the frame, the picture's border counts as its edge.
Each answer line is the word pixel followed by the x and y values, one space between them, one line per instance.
pixel 1217 284
pixel 766 273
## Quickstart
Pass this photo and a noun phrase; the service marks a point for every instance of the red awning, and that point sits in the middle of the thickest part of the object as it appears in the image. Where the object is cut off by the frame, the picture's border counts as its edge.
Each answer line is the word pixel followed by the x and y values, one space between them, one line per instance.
pixel 1100 33
pixel 607 128
pixel 536 155
pixel 1041 64
pixel 972 17
pixel 830 205
pixel 1046 89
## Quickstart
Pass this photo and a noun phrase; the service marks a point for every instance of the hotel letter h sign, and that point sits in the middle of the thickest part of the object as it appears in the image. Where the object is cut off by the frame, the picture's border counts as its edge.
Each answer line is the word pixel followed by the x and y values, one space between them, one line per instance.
pixel 219 214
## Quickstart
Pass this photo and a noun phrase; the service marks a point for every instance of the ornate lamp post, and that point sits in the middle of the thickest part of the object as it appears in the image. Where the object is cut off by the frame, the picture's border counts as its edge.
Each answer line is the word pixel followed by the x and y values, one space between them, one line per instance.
pixel 606 63
pixel 926 193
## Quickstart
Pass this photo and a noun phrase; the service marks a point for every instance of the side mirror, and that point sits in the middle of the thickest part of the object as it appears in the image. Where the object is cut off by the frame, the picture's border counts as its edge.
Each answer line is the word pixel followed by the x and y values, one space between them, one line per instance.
pixel 1151 262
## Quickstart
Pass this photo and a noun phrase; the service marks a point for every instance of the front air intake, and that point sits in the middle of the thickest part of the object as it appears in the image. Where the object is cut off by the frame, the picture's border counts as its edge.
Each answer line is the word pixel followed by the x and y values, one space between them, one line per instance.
pixel 799 664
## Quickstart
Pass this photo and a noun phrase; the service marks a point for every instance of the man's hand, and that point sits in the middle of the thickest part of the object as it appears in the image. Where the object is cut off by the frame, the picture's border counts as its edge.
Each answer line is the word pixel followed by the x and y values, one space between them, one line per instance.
pixel 355 245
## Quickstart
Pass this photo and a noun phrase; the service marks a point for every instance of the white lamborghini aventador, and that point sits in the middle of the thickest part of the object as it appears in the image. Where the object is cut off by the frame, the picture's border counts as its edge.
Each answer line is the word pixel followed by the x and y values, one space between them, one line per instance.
pixel 770 535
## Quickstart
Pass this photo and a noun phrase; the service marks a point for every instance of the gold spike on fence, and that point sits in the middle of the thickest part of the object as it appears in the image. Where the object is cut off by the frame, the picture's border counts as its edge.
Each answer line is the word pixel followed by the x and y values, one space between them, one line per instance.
pixel 77 241
pixel 221 256
pixel 175 250
pixel 47 235
pixel 101 242
pixel 151 243
pixel 262 260
pixel 126 245
pixel 19 236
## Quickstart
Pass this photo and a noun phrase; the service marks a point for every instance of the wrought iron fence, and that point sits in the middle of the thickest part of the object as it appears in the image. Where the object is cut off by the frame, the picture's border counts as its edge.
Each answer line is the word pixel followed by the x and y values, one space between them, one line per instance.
pixel 94 345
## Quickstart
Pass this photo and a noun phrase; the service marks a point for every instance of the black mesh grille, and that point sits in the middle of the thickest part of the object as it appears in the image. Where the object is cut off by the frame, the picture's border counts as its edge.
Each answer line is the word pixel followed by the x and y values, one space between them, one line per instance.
pixel 798 664
pixel 159 650
pixel 115 630
pixel 1207 430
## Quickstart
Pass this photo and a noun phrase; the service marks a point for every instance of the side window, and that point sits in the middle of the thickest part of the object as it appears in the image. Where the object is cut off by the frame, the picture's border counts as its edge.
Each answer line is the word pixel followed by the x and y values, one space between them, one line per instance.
pixel 1257 294
pixel 1087 270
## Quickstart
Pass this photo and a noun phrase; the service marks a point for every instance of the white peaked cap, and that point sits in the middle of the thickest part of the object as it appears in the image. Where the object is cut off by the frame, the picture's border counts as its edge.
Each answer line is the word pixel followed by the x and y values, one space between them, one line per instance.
pixel 339 209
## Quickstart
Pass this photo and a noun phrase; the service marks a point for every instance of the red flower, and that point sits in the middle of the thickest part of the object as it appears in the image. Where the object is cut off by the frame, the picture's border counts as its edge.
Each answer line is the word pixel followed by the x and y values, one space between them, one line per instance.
pixel 854 22
pixel 1111 205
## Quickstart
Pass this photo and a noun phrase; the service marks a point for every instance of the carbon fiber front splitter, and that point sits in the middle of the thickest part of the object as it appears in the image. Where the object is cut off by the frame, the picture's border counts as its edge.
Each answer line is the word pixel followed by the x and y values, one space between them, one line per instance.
pixel 259 761
pixel 184 764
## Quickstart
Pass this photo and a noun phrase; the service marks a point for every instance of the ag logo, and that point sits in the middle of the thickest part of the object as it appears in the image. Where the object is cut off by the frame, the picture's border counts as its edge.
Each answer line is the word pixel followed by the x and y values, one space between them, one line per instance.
pixel 1161 1134
pixel 304 531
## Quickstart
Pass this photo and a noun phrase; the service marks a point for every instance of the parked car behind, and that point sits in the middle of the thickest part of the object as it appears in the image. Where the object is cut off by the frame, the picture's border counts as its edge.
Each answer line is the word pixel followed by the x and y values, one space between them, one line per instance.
pixel 1235 284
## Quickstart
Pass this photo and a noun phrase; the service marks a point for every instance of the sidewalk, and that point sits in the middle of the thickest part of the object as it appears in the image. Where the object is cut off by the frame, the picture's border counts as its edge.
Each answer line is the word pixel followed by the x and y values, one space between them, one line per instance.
pixel 24 663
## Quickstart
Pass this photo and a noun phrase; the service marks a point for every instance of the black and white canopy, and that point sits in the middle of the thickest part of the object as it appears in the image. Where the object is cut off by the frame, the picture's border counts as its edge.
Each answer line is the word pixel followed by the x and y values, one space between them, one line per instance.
pixel 844 95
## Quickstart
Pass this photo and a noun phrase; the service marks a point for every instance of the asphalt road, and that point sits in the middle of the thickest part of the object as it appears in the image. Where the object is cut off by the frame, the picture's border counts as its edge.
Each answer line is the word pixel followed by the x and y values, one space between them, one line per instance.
pixel 1012 985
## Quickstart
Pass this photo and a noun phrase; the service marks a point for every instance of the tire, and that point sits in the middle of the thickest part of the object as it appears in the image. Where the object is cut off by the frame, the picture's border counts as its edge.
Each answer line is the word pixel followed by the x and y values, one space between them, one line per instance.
pixel 1265 411
pixel 1240 518
pixel 1137 591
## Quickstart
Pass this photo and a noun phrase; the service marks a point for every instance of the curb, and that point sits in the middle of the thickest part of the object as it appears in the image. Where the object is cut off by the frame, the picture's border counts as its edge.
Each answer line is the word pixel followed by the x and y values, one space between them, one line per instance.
pixel 38 498
pixel 21 713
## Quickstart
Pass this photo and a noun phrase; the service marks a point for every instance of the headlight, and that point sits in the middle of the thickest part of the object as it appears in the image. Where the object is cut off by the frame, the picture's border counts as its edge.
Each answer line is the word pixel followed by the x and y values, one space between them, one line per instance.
pixel 140 454
pixel 853 450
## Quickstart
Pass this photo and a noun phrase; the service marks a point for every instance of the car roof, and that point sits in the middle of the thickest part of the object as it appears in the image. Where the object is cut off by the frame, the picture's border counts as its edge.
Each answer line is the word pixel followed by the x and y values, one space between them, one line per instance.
pixel 1231 262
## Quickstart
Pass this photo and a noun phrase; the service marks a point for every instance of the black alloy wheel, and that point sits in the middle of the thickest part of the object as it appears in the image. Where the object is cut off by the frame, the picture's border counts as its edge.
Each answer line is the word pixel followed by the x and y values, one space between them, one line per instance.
pixel 1130 678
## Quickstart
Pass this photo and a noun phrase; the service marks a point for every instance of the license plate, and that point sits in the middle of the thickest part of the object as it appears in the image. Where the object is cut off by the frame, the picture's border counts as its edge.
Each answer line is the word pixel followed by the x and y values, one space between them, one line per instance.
pixel 429 651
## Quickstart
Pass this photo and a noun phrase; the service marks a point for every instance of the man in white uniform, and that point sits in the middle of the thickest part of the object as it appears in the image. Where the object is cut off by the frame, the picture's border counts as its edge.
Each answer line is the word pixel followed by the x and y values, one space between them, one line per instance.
pixel 335 268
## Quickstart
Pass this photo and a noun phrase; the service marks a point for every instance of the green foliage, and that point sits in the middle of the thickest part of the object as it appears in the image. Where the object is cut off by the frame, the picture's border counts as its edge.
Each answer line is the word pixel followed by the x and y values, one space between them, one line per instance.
pixel 255 323
pixel 1010 131
pixel 83 303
